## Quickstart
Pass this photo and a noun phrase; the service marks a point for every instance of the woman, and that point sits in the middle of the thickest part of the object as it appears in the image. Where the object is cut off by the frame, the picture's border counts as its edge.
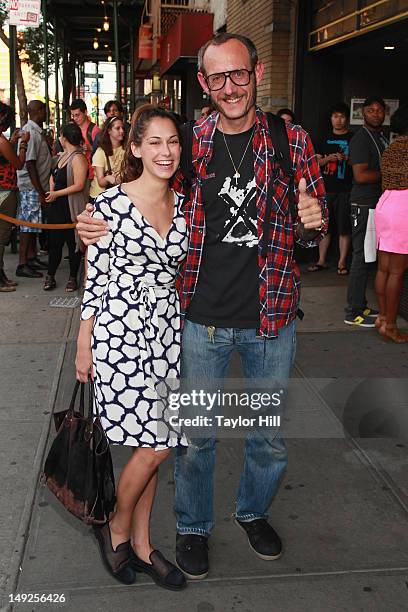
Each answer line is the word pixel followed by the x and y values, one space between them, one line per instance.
pixel 391 222
pixel 9 163
pixel 67 197
pixel 108 157
pixel 129 337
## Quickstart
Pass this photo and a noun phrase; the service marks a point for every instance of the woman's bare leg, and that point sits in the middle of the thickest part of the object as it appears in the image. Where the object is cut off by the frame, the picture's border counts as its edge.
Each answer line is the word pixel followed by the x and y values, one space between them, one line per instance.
pixel 398 263
pixel 140 530
pixel 380 285
pixel 133 480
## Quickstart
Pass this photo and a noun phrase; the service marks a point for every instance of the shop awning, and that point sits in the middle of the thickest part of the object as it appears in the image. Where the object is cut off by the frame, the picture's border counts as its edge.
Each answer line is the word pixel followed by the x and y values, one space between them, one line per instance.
pixel 184 39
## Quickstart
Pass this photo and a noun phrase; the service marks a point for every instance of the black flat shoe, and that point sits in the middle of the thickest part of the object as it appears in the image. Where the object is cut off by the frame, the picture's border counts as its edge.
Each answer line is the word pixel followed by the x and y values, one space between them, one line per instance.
pixel 117 562
pixel 164 573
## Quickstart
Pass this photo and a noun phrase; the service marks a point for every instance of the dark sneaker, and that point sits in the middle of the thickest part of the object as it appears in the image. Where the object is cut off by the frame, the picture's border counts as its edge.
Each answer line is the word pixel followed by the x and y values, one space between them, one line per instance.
pixel 359 321
pixel 371 312
pixel 262 538
pixel 36 264
pixel 192 555
pixel 23 270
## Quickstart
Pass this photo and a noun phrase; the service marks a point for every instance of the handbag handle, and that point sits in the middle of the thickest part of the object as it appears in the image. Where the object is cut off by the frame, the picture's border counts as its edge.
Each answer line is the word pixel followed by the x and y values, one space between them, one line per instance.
pixel 82 399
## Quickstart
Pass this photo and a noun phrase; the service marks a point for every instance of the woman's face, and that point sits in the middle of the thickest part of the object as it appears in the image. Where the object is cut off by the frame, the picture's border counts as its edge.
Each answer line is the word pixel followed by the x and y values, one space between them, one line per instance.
pixel 160 148
pixel 117 131
pixel 63 141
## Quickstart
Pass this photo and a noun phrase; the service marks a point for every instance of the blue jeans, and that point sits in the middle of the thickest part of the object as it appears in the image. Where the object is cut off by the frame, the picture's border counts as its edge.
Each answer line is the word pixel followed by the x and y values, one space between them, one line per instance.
pixel 265 458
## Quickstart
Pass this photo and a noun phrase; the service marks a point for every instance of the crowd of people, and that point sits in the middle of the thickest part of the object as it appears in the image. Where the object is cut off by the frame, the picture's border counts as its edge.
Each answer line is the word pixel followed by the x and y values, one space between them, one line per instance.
pixel 362 172
pixel 43 181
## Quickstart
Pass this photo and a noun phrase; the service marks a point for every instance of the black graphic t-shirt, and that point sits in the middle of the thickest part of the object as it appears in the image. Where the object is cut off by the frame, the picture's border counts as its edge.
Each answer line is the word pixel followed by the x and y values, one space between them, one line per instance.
pixel 338 174
pixel 227 292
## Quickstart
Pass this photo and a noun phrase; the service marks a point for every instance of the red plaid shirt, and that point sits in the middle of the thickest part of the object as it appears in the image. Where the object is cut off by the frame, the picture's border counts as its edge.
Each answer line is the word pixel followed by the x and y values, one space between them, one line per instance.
pixel 279 278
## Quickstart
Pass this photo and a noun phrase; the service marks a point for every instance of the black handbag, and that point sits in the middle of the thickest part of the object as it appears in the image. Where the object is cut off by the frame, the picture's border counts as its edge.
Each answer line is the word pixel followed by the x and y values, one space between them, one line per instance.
pixel 78 468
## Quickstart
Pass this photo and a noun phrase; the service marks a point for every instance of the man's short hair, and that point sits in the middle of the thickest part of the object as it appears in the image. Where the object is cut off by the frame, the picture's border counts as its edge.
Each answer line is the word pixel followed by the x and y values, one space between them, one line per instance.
pixel 371 99
pixel 78 104
pixel 110 103
pixel 340 107
pixel 220 39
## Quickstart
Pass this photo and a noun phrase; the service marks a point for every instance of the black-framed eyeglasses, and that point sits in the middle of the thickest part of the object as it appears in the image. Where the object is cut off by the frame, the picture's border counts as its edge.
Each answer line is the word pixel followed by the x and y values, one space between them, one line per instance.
pixel 217 80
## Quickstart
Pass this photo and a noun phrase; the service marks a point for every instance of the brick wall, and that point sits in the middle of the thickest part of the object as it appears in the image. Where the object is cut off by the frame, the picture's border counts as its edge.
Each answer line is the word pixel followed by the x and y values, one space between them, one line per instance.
pixel 271 25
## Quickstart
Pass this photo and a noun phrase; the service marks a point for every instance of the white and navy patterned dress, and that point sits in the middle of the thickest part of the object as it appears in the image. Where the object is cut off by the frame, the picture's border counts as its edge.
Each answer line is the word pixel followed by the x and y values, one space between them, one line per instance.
pixel 136 336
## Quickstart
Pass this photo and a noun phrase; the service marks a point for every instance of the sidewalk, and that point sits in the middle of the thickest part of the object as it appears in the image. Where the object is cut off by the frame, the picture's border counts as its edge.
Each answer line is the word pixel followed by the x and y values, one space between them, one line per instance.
pixel 341 510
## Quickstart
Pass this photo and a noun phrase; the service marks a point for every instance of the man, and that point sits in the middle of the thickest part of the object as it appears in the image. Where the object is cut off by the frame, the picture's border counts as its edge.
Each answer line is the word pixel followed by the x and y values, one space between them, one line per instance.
pixel 33 183
pixel 231 295
pixel 366 148
pixel 333 154
pixel 287 115
pixel 114 108
pixel 206 110
pixel 89 130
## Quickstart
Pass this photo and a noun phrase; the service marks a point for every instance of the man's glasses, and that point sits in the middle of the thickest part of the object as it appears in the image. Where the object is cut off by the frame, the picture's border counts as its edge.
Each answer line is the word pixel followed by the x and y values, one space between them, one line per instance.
pixel 238 77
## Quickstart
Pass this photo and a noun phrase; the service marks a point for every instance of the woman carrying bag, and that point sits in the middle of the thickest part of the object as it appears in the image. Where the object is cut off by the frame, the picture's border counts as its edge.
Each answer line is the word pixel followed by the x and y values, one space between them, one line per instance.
pixel 67 198
pixel 130 335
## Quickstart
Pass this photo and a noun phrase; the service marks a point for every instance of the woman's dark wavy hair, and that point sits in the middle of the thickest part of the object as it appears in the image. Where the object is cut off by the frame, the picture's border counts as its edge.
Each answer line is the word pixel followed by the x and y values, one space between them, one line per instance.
pixel 132 167
pixel 7 115
pixel 399 121
pixel 72 132
pixel 104 141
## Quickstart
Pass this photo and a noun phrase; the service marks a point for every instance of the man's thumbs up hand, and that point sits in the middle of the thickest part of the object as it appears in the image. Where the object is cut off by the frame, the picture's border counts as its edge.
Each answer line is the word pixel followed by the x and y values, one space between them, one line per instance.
pixel 310 212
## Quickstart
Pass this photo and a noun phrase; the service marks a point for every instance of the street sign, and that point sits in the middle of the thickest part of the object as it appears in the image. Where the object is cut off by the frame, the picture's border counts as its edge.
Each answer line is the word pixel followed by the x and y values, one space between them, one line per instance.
pixel 25 13
pixel 93 75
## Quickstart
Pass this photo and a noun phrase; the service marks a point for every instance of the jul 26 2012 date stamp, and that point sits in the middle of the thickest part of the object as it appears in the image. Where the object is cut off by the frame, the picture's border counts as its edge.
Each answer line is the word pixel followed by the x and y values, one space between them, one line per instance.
pixel 37 598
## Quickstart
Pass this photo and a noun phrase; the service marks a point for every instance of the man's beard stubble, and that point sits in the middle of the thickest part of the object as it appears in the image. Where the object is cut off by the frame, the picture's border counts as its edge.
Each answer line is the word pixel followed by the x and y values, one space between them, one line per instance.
pixel 252 103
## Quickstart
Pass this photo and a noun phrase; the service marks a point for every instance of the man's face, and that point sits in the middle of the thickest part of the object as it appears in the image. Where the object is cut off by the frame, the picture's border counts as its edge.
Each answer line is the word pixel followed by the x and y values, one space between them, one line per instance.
pixel 78 117
pixel 339 121
pixel 232 101
pixel 42 113
pixel 374 115
pixel 286 118
pixel 113 112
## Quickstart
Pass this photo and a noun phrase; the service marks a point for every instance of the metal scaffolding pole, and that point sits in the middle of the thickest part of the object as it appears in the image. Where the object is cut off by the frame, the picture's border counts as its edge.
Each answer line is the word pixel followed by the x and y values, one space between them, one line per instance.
pixel 45 38
pixel 125 82
pixel 13 58
pixel 132 69
pixel 97 93
pixel 116 39
pixel 78 79
pixel 56 68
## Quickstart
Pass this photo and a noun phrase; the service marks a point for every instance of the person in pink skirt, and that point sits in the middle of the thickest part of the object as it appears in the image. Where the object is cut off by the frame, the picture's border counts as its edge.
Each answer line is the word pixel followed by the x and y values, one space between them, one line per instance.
pixel 391 222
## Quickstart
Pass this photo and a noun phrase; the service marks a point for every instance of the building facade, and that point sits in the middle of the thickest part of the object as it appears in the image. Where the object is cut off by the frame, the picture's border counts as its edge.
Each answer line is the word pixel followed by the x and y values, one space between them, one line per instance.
pixel 272 26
